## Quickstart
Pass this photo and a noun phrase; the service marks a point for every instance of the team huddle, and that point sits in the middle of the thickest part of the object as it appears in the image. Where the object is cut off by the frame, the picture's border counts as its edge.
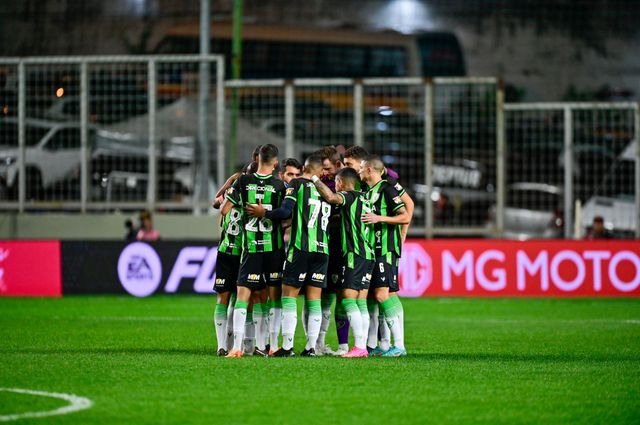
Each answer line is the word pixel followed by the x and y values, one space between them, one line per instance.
pixel 346 218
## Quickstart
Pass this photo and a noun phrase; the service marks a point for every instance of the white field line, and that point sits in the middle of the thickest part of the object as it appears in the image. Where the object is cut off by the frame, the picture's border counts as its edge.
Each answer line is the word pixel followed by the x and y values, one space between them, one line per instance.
pixel 534 321
pixel 76 404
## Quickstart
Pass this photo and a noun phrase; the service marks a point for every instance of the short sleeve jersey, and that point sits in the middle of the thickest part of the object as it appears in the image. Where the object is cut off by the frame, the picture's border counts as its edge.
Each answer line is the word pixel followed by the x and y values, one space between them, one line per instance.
pixel 310 221
pixel 260 234
pixel 357 237
pixel 385 200
pixel 232 233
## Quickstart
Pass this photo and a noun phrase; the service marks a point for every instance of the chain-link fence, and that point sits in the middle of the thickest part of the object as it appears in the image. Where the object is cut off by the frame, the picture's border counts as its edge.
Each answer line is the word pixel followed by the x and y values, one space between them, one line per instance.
pixel 104 133
pixel 569 163
pixel 122 132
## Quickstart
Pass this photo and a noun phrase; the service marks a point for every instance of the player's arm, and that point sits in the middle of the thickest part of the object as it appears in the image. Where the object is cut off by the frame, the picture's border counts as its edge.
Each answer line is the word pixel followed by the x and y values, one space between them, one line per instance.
pixel 409 205
pixel 227 185
pixel 232 197
pixel 326 193
pixel 402 217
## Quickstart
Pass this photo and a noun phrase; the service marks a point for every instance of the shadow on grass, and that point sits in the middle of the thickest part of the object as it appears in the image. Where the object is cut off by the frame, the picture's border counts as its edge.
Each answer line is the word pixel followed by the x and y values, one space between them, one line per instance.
pixel 428 357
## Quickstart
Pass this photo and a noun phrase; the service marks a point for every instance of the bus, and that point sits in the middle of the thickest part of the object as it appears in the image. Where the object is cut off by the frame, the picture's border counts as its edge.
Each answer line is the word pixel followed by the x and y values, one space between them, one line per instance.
pixel 278 51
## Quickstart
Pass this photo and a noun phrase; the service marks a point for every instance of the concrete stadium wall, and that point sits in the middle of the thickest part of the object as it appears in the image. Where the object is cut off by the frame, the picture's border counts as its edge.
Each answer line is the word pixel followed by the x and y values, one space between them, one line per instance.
pixel 104 226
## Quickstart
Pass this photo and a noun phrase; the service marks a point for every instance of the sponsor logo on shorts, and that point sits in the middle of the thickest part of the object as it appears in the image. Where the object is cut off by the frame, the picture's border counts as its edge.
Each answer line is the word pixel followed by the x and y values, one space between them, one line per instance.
pixel 317 276
pixel 220 282
pixel 302 277
pixel 335 277
pixel 275 275
pixel 253 277
pixel 366 278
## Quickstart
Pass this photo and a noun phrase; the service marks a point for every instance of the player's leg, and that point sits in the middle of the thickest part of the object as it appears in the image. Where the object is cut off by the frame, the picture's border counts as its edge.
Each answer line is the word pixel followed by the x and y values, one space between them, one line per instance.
pixel 357 276
pixel 275 317
pixel 259 321
pixel 249 343
pixel 232 303
pixel 316 281
pixel 326 303
pixel 393 315
pixel 249 280
pixel 341 319
pixel 293 277
pixel 220 322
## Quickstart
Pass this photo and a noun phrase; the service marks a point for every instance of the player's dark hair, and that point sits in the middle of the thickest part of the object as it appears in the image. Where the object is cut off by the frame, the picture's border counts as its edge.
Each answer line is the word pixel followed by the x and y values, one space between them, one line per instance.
pixel 375 162
pixel 268 153
pixel 356 152
pixel 313 161
pixel 256 153
pixel 348 175
pixel 291 162
pixel 330 153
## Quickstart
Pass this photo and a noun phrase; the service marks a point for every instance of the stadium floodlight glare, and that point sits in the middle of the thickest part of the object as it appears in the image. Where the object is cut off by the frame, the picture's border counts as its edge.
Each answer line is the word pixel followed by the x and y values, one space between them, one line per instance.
pixel 405 16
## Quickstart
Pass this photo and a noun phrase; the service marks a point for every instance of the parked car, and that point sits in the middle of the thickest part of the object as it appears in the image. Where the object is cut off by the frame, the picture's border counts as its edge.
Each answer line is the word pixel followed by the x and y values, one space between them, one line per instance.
pixel 52 154
pixel 614 197
pixel 532 211
pixel 102 109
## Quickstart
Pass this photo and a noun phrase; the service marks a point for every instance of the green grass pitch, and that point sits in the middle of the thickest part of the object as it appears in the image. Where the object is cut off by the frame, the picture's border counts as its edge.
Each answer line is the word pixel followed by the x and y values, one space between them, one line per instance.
pixel 491 361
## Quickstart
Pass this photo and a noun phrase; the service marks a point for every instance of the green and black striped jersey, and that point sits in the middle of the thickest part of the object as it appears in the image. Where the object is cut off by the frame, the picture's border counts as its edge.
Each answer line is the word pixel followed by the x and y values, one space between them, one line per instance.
pixel 385 200
pixel 232 233
pixel 260 234
pixel 357 237
pixel 310 221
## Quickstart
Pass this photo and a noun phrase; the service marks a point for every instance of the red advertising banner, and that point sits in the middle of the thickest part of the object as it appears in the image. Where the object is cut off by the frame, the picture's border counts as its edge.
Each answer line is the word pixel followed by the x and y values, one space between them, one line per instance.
pixel 30 268
pixel 511 268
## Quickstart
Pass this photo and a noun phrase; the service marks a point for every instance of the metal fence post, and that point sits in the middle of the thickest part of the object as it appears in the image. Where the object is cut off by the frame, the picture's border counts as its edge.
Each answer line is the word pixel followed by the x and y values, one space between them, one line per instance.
pixel 636 125
pixel 152 177
pixel 220 117
pixel 358 117
pixel 500 160
pixel 22 178
pixel 84 157
pixel 568 172
pixel 289 116
pixel 428 156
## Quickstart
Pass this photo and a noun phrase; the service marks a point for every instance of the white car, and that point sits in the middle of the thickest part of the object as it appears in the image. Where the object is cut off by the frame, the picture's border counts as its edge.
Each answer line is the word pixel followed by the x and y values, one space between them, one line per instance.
pixel 532 211
pixel 614 199
pixel 52 154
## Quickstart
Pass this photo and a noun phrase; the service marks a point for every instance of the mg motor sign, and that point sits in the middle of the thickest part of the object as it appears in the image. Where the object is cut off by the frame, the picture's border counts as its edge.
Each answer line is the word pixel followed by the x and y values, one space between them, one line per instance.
pixel 511 268
pixel 30 268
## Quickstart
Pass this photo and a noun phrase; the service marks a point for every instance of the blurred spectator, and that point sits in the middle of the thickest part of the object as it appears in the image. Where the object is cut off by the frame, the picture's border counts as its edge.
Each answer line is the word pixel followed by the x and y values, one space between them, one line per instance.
pixel 598 230
pixel 147 232
pixel 132 232
pixel 443 211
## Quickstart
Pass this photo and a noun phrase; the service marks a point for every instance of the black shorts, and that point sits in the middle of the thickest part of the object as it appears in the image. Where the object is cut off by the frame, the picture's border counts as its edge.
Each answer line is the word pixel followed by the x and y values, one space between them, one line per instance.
pixel 227 269
pixel 357 272
pixel 305 268
pixel 261 269
pixel 385 273
pixel 335 270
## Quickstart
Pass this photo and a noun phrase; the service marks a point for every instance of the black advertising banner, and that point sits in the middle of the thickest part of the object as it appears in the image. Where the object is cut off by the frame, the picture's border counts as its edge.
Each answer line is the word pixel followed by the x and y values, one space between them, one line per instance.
pixel 137 268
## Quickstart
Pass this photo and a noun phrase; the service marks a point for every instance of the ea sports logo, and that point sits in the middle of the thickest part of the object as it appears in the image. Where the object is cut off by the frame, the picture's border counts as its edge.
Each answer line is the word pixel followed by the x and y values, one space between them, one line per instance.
pixel 139 269
pixel 415 269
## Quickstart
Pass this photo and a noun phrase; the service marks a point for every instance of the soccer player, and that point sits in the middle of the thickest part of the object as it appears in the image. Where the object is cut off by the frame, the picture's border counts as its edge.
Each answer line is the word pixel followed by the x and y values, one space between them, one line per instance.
pixel 331 164
pixel 227 267
pixel 307 257
pixel 357 251
pixel 353 158
pixel 291 169
pixel 388 215
pixel 261 263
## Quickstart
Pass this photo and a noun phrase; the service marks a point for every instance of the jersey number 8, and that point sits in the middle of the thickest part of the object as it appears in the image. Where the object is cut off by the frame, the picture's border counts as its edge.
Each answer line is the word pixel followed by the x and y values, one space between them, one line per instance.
pixel 317 206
